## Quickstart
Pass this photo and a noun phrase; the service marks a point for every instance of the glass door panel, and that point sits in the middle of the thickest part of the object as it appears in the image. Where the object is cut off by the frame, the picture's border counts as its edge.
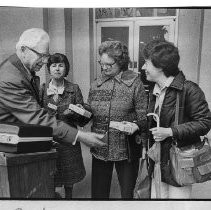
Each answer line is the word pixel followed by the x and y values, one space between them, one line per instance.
pixel 115 33
pixel 118 30
pixel 146 31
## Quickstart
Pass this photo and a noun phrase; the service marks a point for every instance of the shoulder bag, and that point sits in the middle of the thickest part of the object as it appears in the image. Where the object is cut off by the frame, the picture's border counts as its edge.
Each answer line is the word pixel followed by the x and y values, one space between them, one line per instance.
pixel 190 164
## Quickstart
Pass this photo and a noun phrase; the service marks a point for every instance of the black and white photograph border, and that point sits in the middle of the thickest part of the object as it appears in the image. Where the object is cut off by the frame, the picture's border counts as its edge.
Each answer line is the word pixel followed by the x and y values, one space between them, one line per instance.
pixel 71 36
pixel 104 205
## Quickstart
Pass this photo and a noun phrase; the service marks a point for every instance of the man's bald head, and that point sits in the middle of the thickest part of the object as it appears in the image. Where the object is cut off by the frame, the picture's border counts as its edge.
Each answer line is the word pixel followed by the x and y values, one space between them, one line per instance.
pixel 33 38
pixel 33 48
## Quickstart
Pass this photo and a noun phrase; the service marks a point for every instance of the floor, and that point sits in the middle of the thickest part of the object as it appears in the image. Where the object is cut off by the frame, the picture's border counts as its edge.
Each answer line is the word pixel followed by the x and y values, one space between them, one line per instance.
pixel 82 190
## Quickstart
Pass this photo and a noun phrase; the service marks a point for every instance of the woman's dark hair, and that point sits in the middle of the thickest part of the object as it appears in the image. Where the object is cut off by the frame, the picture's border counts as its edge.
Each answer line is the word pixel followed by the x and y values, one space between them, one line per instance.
pixel 59 58
pixel 117 51
pixel 163 55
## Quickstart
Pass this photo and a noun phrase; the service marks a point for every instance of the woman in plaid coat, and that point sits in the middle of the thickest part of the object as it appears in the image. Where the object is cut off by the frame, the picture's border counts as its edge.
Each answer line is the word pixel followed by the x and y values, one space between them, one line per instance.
pixel 117 95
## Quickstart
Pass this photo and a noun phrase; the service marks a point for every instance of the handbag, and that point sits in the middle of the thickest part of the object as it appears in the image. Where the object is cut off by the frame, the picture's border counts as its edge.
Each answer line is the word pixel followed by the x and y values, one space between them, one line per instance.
pixel 142 188
pixel 190 164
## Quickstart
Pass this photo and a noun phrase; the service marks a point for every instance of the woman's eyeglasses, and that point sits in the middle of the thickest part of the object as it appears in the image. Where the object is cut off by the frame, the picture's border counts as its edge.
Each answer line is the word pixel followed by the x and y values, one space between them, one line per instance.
pixel 43 56
pixel 107 65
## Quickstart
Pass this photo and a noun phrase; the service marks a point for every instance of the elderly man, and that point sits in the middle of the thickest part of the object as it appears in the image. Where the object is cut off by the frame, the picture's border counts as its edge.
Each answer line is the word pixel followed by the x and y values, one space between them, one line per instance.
pixel 19 95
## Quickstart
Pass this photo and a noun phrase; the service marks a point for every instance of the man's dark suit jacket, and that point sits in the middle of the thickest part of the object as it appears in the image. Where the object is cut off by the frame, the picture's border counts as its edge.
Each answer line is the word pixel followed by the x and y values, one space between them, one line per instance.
pixel 19 100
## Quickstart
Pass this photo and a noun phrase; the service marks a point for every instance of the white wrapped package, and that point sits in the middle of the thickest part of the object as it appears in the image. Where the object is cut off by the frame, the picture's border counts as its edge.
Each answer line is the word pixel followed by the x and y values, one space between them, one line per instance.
pixel 80 111
pixel 121 126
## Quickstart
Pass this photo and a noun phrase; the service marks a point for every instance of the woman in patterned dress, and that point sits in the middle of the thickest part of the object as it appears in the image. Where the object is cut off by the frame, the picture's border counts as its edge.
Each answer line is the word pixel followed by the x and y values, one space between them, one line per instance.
pixel 56 96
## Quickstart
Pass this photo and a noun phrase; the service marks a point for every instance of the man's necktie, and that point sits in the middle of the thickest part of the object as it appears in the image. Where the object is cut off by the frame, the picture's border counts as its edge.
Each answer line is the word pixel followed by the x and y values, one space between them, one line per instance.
pixel 35 81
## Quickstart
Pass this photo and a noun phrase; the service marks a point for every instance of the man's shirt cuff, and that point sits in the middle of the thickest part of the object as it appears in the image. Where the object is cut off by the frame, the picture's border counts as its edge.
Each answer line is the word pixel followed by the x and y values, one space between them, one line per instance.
pixel 76 137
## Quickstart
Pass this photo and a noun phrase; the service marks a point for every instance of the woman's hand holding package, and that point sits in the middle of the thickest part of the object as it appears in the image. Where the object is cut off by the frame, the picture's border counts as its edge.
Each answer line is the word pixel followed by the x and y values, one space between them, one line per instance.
pixel 69 112
pixel 133 127
pixel 159 134
pixel 126 127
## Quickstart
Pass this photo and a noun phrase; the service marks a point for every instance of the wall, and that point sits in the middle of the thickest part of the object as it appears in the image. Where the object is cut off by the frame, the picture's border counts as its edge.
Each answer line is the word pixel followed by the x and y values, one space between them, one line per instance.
pixel 189 23
pixel 13 21
pixel 69 34
pixel 205 70
pixel 55 26
pixel 194 43
pixel 81 49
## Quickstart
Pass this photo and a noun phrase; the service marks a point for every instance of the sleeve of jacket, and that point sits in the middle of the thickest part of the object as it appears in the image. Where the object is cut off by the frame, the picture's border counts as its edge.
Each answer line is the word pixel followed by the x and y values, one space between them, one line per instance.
pixel 140 103
pixel 18 100
pixel 79 100
pixel 197 110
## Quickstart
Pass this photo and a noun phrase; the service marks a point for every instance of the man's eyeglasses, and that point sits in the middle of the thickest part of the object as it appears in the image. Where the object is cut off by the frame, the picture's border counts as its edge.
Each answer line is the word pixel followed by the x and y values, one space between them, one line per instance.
pixel 43 56
pixel 107 65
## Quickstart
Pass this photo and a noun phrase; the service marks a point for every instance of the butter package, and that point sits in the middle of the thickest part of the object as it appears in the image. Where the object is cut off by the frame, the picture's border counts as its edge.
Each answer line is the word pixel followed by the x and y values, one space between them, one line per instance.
pixel 121 126
pixel 80 111
pixel 79 115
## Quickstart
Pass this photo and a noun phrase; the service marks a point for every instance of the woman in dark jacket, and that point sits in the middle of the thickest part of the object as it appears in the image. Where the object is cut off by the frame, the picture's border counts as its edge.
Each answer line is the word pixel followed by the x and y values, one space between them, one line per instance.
pixel 117 95
pixel 161 67
pixel 56 96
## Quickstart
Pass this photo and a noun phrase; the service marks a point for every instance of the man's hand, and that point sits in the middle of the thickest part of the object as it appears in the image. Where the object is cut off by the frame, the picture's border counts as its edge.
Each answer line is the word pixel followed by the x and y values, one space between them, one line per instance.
pixel 91 139
pixel 67 112
pixel 80 106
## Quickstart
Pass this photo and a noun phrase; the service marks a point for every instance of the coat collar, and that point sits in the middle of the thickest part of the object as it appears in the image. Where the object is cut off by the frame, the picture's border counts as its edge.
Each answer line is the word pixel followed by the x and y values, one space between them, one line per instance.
pixel 68 86
pixel 15 60
pixel 178 81
pixel 126 77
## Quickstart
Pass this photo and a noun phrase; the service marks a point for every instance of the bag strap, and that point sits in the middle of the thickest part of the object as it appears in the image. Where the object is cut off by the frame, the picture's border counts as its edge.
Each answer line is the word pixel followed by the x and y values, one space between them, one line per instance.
pixel 176 121
pixel 179 93
pixel 177 110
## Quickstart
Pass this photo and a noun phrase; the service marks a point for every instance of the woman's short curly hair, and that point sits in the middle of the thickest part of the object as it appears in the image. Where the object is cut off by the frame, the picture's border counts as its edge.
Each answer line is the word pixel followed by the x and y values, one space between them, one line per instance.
pixel 59 58
pixel 117 51
pixel 164 55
